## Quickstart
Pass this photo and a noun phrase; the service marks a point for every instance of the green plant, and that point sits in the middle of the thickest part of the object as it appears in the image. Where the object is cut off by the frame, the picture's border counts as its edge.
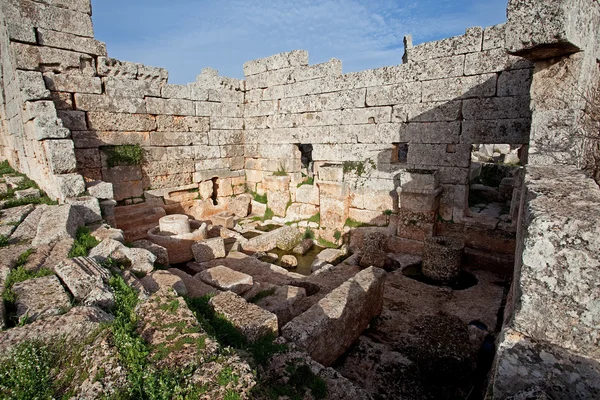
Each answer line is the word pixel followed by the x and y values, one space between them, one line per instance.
pixel 25 372
pixel 268 214
pixel 337 235
pixel 315 218
pixel 307 181
pixel 326 243
pixel 260 198
pixel 388 212
pixel 128 154
pixel 4 241
pixel 280 171
pixel 5 168
pixel 84 242
pixel 308 234
pixel 353 224
pixel 20 274
pixel 44 199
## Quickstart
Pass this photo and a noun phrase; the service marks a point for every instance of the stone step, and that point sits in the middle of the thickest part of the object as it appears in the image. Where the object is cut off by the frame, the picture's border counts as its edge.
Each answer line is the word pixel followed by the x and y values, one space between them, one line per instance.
pixel 136 220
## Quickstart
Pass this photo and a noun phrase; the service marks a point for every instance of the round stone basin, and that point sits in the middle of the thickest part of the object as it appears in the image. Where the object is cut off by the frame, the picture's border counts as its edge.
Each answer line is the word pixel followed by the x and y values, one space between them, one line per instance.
pixel 179 246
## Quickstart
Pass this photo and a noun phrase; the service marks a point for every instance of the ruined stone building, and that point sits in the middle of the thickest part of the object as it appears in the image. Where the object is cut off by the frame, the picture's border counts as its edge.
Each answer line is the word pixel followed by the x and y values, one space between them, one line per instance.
pixel 406 141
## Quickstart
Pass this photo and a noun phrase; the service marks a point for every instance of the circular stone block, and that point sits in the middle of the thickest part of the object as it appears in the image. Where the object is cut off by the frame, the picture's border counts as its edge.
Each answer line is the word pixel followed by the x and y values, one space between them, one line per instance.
pixel 176 224
pixel 442 258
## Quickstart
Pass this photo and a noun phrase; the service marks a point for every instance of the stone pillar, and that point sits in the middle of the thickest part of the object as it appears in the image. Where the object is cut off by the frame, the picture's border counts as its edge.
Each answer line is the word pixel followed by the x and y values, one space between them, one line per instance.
pixel 278 193
pixel 176 224
pixel 442 258
pixel 418 202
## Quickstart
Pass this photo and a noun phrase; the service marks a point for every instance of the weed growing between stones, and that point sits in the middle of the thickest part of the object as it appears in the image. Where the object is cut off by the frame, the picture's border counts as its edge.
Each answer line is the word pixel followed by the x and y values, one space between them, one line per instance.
pixel 308 234
pixel 315 218
pixel 144 381
pixel 308 181
pixel 261 295
pixel 280 171
pixel 352 223
pixel 84 242
pixel 25 372
pixel 128 154
pixel 3 241
pixel 326 243
pixel 20 274
pixel 9 196
pixel 259 198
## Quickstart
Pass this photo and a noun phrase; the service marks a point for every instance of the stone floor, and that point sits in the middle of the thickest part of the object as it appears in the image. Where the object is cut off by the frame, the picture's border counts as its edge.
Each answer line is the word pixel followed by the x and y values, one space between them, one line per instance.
pixel 430 342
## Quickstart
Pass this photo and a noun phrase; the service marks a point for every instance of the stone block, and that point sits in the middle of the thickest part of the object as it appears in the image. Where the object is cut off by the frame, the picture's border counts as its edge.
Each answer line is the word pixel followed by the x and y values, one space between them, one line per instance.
pixel 86 280
pixel 88 207
pixel 495 60
pixel 69 41
pixel 409 92
pixel 300 211
pixel 139 260
pixel 513 131
pixel 278 202
pixel 27 193
pixel 68 185
pixel 152 74
pixel 251 320
pixel 40 298
pixel 226 279
pixel 170 91
pixel 308 194
pixel 194 287
pixel 120 87
pixel 496 108
pixel 105 121
pixel 73 83
pixel 170 106
pixel 27 229
pixel 468 43
pixel 101 190
pixel 439 68
pixel 515 83
pixel 164 279
pixel 493 37
pixel 73 120
pixel 330 327
pixel 21 32
pixel 94 102
pixel 127 190
pixel 240 205
pixel 328 256
pixel 428 112
pixel 209 249
pixel 113 67
pixel 62 100
pixel 459 87
pixel 438 155
pixel 32 86
pixel 56 223
pixel 52 60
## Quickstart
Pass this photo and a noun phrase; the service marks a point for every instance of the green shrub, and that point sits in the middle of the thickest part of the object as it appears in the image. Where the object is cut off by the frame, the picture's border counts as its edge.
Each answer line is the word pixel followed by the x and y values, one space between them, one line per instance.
pixel 337 235
pixel 307 181
pixel 268 214
pixel 5 168
pixel 84 242
pixel 25 372
pixel 128 154
pixel 4 241
pixel 260 198
pixel 315 218
pixel 388 212
pixel 43 199
pixel 20 274
pixel 308 234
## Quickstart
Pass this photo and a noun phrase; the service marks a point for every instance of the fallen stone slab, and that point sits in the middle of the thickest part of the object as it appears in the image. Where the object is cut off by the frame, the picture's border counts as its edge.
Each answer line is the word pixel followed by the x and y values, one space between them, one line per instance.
pixel 40 298
pixel 226 279
pixel 328 328
pixel 103 231
pixel 328 256
pixel 172 331
pixel 27 193
pixel 303 247
pixel 58 252
pixel 194 287
pixel 138 260
pixel 28 228
pixel 224 219
pixel 88 207
pixel 14 181
pixel 240 205
pixel 251 320
pixel 209 249
pixel 86 280
pixel 162 255
pixel 56 223
pixel 285 238
pixel 285 302
pixel 74 327
pixel 11 217
pixel 163 279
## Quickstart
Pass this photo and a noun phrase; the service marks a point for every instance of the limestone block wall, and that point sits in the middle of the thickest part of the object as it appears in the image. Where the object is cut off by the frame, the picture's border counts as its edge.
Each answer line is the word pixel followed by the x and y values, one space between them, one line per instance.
pixel 33 138
pixel 446 96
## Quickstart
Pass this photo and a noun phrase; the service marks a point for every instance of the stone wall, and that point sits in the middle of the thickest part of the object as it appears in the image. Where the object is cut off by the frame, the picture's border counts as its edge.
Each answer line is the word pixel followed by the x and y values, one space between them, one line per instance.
pixel 549 342
pixel 446 96
pixel 33 138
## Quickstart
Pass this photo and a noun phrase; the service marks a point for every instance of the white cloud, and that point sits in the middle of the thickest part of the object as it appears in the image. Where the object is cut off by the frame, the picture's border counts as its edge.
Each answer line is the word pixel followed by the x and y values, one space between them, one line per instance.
pixel 186 36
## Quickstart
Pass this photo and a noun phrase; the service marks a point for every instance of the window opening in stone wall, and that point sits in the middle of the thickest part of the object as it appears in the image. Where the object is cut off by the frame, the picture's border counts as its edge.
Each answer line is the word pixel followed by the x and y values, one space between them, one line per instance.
pixel 306 158
pixel 215 190
pixel 494 181
pixel 400 153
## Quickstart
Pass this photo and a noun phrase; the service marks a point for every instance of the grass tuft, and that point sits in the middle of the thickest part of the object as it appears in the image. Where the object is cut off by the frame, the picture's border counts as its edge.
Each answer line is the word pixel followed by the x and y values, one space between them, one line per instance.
pixel 84 242
pixel 128 154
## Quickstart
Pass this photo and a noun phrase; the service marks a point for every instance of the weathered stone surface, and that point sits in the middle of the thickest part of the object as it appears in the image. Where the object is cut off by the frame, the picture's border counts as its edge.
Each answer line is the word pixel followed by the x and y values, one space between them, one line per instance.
pixel 139 260
pixel 104 121
pixel 162 255
pixel 304 246
pixel 289 261
pixel 56 223
pixel 240 205
pixel 73 83
pixel 288 237
pixel 442 258
pixel 300 211
pixel 328 256
pixel 32 86
pixel 285 302
pixel 12 217
pixel 209 249
pixel 27 229
pixel 308 194
pixel 163 279
pixel 103 231
pixel 330 327
pixel 100 190
pixel 253 321
pixel 224 219
pixel 31 192
pixel 73 327
pixel 194 287
pixel 68 41
pixel 40 298
pixel 86 280
pixel 172 331
pixel 226 279
pixel 88 207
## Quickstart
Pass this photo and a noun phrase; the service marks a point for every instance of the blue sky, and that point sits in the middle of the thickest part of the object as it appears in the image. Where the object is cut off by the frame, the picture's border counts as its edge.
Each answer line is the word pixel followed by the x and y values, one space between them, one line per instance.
pixel 185 36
